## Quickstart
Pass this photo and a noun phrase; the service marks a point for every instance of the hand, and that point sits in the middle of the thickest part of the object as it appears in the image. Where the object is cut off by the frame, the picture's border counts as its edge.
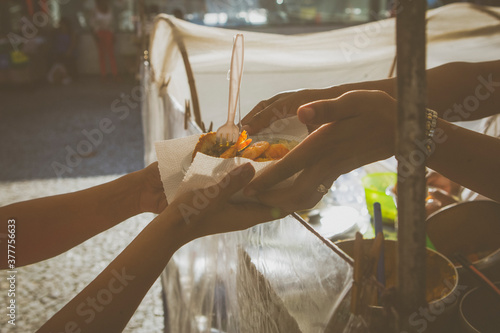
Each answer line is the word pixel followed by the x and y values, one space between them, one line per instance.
pixel 210 211
pixel 437 199
pixel 442 192
pixel 438 181
pixel 357 128
pixel 280 106
pixel 152 197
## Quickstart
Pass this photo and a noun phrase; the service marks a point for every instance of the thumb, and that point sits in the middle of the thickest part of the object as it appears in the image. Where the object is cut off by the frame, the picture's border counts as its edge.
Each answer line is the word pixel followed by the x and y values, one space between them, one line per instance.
pixel 257 120
pixel 235 180
pixel 330 110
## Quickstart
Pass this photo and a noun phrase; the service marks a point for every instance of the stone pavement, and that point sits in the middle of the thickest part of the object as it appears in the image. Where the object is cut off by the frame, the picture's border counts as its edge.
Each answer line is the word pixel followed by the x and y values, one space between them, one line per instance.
pixel 38 127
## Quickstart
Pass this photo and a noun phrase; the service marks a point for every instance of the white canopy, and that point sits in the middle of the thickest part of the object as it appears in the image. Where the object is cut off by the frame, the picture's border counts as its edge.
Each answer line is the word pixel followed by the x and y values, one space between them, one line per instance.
pixel 274 63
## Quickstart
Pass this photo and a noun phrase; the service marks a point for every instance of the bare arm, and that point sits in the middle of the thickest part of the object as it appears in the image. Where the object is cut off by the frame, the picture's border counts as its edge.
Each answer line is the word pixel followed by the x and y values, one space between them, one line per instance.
pixel 46 227
pixel 469 158
pixel 458 91
pixel 463 91
pixel 109 301
pixel 359 128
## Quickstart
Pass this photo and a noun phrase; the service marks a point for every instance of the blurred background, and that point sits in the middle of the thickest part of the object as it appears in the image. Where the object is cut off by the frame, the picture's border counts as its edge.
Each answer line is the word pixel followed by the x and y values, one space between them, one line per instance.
pixel 26 27
pixel 63 100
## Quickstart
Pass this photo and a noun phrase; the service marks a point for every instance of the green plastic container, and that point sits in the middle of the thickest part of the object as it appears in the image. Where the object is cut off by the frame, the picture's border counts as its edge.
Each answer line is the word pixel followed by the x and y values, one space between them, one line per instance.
pixel 377 189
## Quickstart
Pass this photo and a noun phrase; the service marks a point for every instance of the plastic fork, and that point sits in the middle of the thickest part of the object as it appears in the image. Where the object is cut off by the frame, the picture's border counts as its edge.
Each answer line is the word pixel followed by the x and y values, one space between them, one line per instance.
pixel 229 132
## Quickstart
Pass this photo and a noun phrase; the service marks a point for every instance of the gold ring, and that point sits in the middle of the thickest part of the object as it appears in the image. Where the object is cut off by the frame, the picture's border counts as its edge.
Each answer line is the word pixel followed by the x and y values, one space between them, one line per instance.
pixel 322 189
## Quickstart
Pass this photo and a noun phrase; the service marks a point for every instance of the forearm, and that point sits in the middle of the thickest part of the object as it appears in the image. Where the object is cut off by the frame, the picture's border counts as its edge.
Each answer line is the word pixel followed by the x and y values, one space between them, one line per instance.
pixel 468 158
pixel 386 85
pixel 109 301
pixel 46 227
pixel 458 91
pixel 462 91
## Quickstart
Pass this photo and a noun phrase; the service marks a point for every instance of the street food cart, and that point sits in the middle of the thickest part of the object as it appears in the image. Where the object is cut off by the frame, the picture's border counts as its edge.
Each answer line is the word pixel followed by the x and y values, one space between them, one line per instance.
pixel 282 276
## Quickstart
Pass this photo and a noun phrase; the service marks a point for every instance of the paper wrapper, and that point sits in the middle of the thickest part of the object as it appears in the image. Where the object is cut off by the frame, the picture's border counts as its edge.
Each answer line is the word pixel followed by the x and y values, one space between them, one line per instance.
pixel 179 175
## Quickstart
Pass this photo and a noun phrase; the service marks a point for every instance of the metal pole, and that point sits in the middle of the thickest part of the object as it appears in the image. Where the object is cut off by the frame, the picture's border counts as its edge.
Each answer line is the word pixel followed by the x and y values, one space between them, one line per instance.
pixel 410 38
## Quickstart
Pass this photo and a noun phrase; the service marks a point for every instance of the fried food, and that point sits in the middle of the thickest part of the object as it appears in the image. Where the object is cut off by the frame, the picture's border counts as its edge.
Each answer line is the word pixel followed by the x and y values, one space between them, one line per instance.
pixel 240 144
pixel 208 145
pixel 276 151
pixel 259 151
pixel 255 150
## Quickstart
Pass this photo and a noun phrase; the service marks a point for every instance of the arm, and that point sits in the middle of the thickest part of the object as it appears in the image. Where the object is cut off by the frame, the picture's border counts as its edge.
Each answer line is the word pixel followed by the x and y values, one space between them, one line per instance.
pixel 469 158
pixel 452 90
pixel 46 227
pixel 463 91
pixel 127 279
pixel 359 128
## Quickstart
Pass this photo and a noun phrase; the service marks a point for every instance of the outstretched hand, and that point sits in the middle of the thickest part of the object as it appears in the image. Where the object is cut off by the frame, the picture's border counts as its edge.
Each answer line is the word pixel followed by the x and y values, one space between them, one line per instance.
pixel 279 106
pixel 211 210
pixel 143 260
pixel 357 128
pixel 152 197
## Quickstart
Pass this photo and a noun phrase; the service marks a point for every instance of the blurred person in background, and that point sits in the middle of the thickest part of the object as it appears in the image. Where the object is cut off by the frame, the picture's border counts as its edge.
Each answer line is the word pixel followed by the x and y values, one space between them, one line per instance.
pixel 102 22
pixel 63 57
pixel 144 27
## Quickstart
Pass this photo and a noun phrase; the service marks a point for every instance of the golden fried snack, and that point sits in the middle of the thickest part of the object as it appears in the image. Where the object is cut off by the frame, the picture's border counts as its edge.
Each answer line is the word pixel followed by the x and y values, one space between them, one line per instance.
pixel 259 151
pixel 255 150
pixel 208 145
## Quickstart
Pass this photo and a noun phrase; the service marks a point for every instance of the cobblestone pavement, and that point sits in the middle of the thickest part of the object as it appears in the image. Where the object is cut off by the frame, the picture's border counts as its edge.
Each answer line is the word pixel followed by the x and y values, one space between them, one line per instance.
pixel 45 287
pixel 41 127
pixel 38 127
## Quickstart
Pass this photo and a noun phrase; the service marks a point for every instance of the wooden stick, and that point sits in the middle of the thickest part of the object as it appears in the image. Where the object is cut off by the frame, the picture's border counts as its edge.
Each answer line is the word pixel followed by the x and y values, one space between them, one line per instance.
pixel 477 274
pixel 371 268
pixel 327 242
pixel 357 274
pixel 189 72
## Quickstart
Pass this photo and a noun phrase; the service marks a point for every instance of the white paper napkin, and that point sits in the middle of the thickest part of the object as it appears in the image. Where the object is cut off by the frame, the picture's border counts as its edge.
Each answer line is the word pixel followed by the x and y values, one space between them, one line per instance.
pixel 179 174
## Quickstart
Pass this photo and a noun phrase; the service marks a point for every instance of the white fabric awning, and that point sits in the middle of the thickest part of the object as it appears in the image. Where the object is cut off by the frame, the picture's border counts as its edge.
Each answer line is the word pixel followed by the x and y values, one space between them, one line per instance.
pixel 274 63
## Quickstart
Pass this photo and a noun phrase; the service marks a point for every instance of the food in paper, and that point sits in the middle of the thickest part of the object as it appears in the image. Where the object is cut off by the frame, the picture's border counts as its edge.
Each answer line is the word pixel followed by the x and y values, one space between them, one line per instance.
pixel 261 151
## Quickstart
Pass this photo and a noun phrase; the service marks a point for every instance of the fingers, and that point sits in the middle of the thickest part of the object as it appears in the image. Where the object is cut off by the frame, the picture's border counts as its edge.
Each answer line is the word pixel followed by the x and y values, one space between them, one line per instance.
pixel 152 197
pixel 329 110
pixel 264 119
pixel 274 174
pixel 303 194
pixel 202 203
pixel 258 118
pixel 265 113
pixel 234 181
pixel 250 214
pixel 161 203
pixel 316 146
pixel 256 109
pixel 348 105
